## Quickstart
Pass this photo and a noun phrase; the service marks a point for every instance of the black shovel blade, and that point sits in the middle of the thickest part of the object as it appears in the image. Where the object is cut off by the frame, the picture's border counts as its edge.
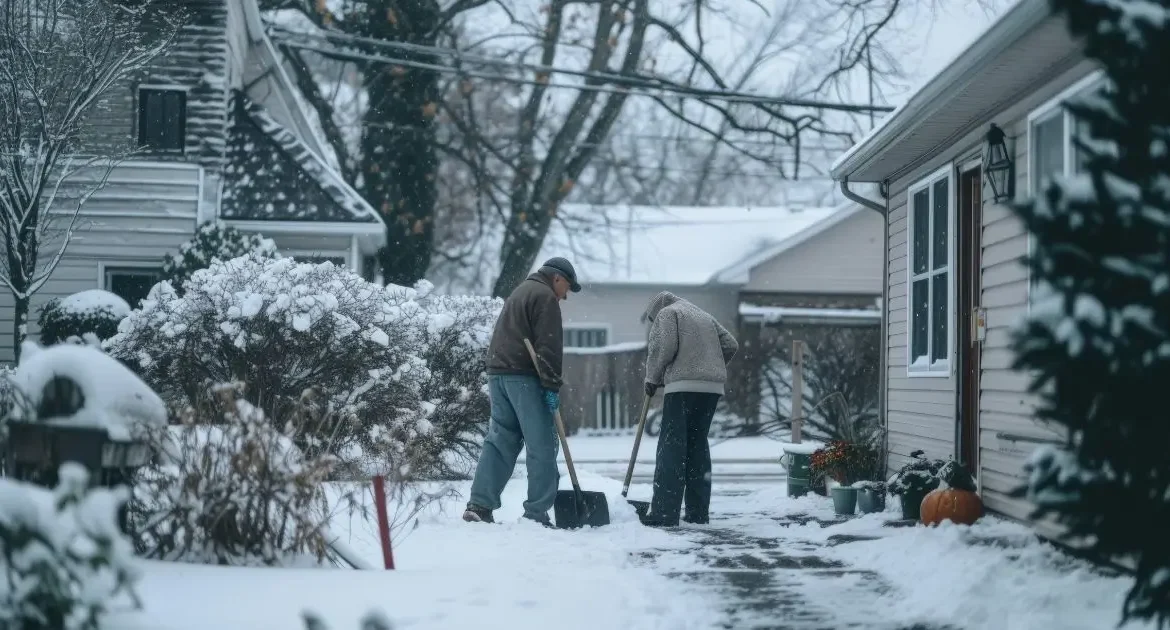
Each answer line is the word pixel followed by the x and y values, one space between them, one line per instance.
pixel 574 509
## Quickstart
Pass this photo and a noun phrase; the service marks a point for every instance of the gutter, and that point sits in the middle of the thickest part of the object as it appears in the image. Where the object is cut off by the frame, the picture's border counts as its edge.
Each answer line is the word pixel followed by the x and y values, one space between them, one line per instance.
pixel 1015 23
pixel 858 199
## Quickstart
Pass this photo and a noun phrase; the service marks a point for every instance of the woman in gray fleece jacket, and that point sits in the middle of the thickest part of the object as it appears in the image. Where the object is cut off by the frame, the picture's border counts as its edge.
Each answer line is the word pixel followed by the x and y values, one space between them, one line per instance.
pixel 687 356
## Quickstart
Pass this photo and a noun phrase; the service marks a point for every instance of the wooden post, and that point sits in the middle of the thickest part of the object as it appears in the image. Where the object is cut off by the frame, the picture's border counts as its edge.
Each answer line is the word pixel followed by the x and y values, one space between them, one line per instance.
pixel 797 389
pixel 383 521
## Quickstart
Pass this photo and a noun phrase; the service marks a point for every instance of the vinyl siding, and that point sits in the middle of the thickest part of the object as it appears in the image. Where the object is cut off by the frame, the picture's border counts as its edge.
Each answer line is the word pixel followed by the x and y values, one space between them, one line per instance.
pixel 921 412
pixel 844 259
pixel 144 212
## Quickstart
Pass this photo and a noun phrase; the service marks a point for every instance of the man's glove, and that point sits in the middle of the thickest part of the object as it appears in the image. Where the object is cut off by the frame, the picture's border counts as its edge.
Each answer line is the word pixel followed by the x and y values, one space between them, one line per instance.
pixel 650 389
pixel 552 400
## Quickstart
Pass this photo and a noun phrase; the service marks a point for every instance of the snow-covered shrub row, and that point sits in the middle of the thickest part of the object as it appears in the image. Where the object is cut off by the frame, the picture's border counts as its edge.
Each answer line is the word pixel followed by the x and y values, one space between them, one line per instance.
pixel 397 372
pixel 88 317
pixel 228 487
pixel 213 241
pixel 63 557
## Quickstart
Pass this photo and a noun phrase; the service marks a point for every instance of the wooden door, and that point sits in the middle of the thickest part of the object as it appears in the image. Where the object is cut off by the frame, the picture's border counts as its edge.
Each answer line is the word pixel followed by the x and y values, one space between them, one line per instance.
pixel 970 235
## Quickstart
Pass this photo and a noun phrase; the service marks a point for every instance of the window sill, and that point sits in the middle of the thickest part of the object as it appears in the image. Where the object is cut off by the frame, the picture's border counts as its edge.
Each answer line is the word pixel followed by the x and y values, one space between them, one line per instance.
pixel 941 371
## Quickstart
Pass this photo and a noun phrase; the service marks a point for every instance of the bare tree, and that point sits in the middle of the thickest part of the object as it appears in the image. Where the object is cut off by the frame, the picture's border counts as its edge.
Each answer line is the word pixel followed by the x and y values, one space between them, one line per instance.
pixel 58 58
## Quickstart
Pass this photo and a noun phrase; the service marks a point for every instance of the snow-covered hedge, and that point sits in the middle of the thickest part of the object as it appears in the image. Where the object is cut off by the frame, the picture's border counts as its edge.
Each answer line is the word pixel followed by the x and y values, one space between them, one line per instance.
pixel 213 241
pixel 63 557
pixel 87 317
pixel 235 492
pixel 397 374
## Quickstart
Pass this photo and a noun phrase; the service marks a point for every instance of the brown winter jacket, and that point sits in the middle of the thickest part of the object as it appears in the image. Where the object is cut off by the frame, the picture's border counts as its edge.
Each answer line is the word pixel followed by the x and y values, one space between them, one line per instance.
pixel 532 311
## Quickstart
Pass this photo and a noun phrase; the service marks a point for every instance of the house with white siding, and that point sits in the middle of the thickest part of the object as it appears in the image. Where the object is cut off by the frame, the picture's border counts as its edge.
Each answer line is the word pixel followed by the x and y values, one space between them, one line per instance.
pixel 218 130
pixel 955 283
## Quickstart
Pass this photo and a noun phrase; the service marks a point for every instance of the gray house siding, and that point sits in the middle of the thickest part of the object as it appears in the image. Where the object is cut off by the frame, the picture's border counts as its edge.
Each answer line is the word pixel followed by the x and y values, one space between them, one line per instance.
pixel 921 411
pixel 195 62
pixel 845 258
pixel 145 211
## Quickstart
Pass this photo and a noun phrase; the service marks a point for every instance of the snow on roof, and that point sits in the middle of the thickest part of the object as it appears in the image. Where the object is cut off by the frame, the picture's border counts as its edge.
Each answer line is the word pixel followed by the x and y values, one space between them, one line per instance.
pixel 954 66
pixel 667 245
pixel 251 166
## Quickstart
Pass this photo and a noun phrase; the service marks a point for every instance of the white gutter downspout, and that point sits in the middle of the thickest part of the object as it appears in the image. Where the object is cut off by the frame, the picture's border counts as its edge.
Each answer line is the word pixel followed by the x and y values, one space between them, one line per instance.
pixel 884 348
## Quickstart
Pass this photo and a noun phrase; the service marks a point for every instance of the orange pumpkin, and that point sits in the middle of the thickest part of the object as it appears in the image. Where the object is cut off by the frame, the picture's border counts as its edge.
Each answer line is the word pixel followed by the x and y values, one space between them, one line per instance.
pixel 959 506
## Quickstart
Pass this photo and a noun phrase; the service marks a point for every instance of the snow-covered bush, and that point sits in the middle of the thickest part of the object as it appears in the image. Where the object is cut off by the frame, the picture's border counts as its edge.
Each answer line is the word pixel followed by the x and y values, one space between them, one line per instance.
pixel 397 374
pixel 213 241
pixel 87 317
pixel 234 492
pixel 63 557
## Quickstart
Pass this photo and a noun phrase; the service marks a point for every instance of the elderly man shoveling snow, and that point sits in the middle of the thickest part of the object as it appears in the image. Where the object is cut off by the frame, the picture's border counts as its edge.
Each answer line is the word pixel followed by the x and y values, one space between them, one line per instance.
pixel 524 400
pixel 687 357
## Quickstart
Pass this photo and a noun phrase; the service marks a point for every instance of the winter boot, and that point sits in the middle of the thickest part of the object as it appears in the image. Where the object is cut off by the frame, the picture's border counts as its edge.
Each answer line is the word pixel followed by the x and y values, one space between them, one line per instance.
pixel 543 519
pixel 655 520
pixel 476 514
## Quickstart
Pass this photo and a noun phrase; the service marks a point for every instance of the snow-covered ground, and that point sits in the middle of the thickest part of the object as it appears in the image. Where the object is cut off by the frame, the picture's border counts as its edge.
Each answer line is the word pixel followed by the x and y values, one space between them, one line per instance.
pixel 765 561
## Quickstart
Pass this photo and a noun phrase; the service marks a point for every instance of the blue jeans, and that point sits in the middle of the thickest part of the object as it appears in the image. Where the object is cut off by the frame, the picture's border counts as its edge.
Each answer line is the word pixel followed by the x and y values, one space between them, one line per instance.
pixel 519 419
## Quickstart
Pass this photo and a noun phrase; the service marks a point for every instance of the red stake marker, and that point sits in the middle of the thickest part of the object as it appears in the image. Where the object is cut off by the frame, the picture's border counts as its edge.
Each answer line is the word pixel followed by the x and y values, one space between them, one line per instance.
pixel 383 520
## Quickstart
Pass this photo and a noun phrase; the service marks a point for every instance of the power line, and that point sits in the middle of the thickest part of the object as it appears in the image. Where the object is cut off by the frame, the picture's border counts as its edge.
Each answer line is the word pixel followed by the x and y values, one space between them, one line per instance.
pixel 297 40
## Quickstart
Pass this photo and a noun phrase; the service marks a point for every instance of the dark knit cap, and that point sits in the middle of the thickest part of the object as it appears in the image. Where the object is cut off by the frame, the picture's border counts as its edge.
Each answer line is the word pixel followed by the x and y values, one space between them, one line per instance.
pixel 565 268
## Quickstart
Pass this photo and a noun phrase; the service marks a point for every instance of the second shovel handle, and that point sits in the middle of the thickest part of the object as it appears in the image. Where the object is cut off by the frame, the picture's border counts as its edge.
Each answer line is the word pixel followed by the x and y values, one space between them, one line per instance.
pixel 637 443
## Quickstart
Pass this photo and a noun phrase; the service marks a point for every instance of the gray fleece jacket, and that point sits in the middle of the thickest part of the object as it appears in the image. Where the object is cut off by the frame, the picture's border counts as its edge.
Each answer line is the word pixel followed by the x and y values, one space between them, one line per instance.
pixel 688 349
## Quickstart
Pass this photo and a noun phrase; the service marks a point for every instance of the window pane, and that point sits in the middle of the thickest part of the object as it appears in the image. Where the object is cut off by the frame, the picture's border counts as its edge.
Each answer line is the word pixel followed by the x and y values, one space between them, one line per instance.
pixel 162 119
pixel 132 286
pixel 939 228
pixel 1080 157
pixel 1047 149
pixel 919 318
pixel 938 321
pixel 921 230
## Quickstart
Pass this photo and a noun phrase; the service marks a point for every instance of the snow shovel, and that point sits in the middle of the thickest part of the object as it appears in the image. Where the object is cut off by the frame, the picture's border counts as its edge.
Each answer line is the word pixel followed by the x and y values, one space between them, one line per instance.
pixel 573 508
pixel 641 507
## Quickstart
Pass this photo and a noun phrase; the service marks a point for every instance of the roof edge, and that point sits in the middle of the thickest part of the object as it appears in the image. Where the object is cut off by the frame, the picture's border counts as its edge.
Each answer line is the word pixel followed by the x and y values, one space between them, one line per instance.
pixel 732 273
pixel 931 97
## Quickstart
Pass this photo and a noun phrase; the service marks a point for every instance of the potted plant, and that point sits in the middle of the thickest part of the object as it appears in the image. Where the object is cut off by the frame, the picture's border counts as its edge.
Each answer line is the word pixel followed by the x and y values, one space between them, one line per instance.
pixel 871 496
pixel 914 481
pixel 843 462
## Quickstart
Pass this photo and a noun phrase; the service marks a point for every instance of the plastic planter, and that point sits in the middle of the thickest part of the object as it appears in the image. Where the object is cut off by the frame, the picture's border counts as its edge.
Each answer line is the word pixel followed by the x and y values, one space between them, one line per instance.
pixel 844 500
pixel 798 473
pixel 870 501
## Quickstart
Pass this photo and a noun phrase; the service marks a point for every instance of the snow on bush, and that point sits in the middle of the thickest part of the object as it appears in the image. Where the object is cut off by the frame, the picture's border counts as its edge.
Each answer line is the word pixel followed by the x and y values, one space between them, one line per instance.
pixel 87 317
pixel 63 556
pixel 397 373
pixel 82 385
pixel 213 241
pixel 228 487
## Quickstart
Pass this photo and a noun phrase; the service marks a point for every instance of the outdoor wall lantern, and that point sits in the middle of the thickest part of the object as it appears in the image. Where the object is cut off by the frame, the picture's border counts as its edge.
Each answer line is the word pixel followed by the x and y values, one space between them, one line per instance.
pixel 997 165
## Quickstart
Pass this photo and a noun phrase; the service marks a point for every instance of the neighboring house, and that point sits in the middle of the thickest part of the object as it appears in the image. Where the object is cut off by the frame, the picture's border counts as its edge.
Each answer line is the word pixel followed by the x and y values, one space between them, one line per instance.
pixel 956 285
pixel 220 132
pixel 725 260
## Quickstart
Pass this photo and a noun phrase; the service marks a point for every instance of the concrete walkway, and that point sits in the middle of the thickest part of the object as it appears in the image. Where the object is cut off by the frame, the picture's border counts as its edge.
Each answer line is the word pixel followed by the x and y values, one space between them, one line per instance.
pixel 771 583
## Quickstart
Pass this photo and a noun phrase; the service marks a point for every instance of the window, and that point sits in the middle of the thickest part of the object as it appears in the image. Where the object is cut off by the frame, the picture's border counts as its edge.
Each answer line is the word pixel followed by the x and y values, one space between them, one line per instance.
pixel 586 337
pixel 1052 149
pixel 929 262
pixel 162 119
pixel 132 284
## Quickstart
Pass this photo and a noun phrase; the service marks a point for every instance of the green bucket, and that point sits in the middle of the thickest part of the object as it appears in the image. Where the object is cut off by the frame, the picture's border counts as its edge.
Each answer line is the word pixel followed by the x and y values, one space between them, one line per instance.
pixel 798 473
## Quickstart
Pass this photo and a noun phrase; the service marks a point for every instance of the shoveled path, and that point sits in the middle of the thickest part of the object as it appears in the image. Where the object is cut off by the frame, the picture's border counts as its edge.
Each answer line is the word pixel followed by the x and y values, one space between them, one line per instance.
pixel 773 583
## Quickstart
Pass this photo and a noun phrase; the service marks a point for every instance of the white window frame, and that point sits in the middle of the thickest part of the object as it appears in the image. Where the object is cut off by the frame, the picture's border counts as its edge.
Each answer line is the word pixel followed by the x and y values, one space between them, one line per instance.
pixel 104 266
pixel 606 328
pixel 943 370
pixel 1040 114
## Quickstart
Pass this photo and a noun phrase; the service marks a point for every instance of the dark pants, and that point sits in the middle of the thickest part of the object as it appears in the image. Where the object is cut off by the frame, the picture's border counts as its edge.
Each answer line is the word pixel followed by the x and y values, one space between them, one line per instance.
pixel 683 468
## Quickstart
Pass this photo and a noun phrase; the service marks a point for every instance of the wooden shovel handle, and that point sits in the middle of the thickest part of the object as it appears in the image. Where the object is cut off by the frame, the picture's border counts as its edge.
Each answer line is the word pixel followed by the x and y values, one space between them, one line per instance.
pixel 637 443
pixel 560 425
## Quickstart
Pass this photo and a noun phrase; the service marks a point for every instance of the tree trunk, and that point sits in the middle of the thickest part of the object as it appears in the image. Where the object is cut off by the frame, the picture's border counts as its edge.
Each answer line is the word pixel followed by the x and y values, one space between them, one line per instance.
pixel 19 326
pixel 520 250
pixel 399 165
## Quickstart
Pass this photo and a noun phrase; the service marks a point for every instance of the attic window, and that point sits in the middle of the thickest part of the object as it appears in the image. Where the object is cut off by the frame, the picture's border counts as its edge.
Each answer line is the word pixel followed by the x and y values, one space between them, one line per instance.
pixel 162 119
